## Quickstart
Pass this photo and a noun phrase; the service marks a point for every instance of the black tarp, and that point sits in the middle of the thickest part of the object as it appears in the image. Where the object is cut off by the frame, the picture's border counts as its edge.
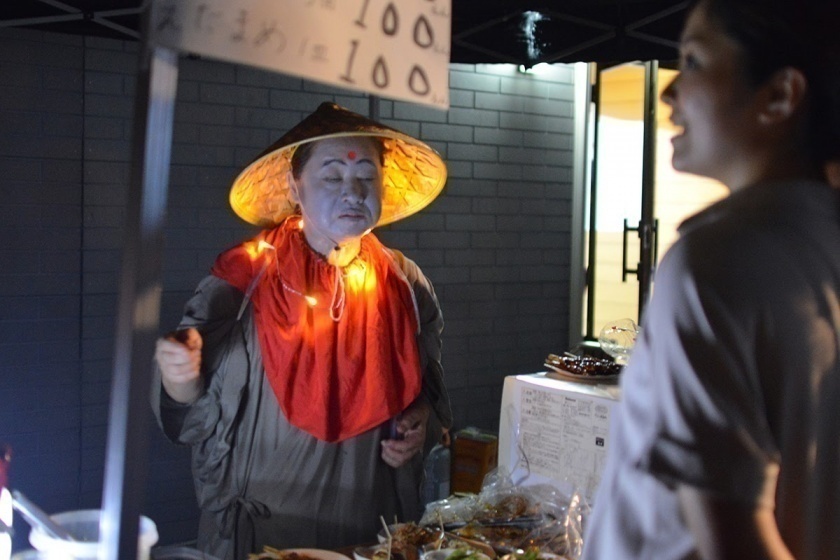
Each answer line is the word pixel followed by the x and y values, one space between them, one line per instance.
pixel 483 31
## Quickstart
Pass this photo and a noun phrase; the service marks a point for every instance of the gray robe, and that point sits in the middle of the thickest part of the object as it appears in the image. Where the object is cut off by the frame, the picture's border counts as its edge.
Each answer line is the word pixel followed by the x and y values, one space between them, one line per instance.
pixel 261 481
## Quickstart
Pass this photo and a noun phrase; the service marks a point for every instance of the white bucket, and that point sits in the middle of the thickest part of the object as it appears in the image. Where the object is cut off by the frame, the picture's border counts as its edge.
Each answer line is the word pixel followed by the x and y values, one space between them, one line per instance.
pixel 84 525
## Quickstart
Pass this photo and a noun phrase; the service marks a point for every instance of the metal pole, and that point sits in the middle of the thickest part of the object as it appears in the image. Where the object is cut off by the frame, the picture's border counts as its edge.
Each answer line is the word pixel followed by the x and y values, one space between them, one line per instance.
pixel 139 302
pixel 580 176
pixel 373 107
pixel 591 268
pixel 646 226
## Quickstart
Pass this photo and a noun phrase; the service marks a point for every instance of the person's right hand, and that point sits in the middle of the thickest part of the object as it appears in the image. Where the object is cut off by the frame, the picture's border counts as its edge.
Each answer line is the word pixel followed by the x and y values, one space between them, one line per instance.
pixel 178 356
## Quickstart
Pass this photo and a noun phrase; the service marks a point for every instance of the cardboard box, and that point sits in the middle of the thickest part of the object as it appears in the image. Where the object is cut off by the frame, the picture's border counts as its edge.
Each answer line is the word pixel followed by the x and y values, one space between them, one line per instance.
pixel 556 432
pixel 474 454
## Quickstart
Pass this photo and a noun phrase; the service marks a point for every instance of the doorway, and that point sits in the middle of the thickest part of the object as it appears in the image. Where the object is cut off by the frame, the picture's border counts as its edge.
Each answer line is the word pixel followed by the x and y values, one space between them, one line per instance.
pixel 635 200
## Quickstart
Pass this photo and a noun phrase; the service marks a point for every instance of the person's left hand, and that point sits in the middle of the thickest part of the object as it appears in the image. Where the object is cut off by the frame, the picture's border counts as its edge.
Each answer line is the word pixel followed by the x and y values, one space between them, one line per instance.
pixel 411 427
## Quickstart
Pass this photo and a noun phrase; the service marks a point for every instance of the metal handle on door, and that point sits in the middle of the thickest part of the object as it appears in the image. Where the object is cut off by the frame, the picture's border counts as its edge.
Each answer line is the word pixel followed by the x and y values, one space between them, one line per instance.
pixel 653 241
pixel 624 270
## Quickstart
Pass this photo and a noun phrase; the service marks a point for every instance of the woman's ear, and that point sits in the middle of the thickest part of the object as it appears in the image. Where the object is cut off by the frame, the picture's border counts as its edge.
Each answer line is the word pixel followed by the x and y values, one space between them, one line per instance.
pixel 293 188
pixel 786 91
pixel 832 173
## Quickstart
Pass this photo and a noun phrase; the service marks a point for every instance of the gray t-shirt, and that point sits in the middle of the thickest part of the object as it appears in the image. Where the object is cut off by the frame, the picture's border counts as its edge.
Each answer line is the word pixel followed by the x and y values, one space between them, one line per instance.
pixel 734 385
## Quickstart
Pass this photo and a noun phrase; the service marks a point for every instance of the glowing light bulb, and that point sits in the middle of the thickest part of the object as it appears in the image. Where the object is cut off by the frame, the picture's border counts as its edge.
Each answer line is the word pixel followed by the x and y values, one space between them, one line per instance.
pixel 254 250
pixel 311 301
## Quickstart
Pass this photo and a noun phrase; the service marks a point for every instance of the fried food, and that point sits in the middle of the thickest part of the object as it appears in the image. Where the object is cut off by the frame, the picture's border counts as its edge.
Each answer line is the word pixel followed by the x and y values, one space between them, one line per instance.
pixel 508 507
pixel 584 365
pixel 412 534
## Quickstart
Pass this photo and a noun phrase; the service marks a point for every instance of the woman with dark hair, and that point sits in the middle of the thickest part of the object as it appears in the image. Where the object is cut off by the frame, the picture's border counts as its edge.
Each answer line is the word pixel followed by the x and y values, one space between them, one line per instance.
pixel 305 374
pixel 726 443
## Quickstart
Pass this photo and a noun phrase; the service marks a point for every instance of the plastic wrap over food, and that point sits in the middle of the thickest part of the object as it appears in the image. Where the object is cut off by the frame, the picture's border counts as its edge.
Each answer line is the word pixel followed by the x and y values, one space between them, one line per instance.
pixel 539 520
pixel 451 510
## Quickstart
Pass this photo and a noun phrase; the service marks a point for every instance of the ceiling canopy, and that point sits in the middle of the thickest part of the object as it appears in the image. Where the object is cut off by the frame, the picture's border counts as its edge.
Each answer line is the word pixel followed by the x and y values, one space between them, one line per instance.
pixel 483 31
pixel 607 31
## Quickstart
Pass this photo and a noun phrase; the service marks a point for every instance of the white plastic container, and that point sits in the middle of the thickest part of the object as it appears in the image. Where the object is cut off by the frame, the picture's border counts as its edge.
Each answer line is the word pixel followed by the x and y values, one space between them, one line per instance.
pixel 84 525
pixel 6 518
pixel 437 468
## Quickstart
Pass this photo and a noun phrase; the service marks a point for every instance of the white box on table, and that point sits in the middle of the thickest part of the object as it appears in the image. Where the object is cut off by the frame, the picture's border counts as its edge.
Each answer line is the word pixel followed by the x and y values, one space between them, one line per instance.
pixel 554 431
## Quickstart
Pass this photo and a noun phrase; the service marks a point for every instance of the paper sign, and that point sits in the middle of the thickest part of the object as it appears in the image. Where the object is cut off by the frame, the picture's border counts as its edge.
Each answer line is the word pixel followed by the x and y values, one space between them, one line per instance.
pixel 563 433
pixel 397 49
pixel 555 432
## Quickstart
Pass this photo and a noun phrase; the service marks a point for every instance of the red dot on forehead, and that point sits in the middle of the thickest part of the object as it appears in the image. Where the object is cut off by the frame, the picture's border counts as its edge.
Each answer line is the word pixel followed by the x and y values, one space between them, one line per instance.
pixel 351 154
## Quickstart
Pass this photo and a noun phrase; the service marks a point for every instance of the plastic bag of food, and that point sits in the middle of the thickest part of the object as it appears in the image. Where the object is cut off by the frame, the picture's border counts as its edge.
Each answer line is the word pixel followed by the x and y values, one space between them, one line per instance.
pixel 555 519
pixel 506 515
pixel 501 499
pixel 512 518
pixel 454 509
pixel 579 510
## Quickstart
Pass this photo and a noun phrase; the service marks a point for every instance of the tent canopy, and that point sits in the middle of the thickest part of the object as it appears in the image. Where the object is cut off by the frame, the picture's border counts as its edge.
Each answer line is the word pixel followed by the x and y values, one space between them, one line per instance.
pixel 483 31
pixel 605 31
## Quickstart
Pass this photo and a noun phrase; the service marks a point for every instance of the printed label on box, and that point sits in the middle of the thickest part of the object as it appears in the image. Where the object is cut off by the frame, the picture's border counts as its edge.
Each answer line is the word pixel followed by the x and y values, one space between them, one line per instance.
pixel 564 436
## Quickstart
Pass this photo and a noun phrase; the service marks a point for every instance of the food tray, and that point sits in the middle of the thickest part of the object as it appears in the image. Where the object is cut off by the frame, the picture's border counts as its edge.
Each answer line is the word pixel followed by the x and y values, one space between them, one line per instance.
pixel 270 553
pixel 559 373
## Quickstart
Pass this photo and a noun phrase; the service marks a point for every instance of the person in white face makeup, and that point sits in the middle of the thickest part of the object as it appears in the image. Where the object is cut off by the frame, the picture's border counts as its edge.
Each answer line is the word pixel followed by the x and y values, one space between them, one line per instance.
pixel 338 187
pixel 726 442
pixel 305 373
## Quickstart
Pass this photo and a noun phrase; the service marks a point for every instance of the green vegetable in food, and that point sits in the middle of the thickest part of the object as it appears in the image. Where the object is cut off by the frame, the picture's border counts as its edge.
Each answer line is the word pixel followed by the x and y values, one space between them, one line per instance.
pixel 529 555
pixel 465 554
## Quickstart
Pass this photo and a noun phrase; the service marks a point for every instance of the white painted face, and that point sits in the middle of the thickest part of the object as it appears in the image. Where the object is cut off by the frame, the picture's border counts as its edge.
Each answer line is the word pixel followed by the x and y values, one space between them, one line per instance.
pixel 339 191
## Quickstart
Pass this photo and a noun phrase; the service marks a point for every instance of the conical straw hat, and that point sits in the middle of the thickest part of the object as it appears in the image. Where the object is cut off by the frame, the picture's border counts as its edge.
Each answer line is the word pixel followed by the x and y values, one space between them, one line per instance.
pixel 413 173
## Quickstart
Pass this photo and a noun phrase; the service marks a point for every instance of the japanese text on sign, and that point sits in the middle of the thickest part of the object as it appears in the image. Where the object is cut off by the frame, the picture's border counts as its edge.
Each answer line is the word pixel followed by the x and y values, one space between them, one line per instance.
pixel 566 435
pixel 397 49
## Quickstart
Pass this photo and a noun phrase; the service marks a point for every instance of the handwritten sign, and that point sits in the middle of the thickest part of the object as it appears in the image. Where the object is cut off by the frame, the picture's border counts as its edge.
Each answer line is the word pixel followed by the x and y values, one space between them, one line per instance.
pixel 397 48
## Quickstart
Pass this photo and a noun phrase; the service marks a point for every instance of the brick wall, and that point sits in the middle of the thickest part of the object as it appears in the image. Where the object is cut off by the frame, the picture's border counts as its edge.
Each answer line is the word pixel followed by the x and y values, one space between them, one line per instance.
pixel 495 243
pixel 41 198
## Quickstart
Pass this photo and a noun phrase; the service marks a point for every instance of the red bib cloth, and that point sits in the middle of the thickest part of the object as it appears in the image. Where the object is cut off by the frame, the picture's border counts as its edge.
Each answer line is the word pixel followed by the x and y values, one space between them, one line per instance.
pixel 340 352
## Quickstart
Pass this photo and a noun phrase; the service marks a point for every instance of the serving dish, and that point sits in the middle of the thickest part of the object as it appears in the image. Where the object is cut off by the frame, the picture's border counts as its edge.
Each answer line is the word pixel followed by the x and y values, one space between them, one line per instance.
pixel 380 552
pixel 270 553
pixel 559 373
pixel 583 368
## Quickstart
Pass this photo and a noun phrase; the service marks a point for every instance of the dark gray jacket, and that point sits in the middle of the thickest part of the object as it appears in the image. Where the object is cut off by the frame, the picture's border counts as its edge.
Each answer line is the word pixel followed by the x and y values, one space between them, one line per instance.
pixel 261 481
